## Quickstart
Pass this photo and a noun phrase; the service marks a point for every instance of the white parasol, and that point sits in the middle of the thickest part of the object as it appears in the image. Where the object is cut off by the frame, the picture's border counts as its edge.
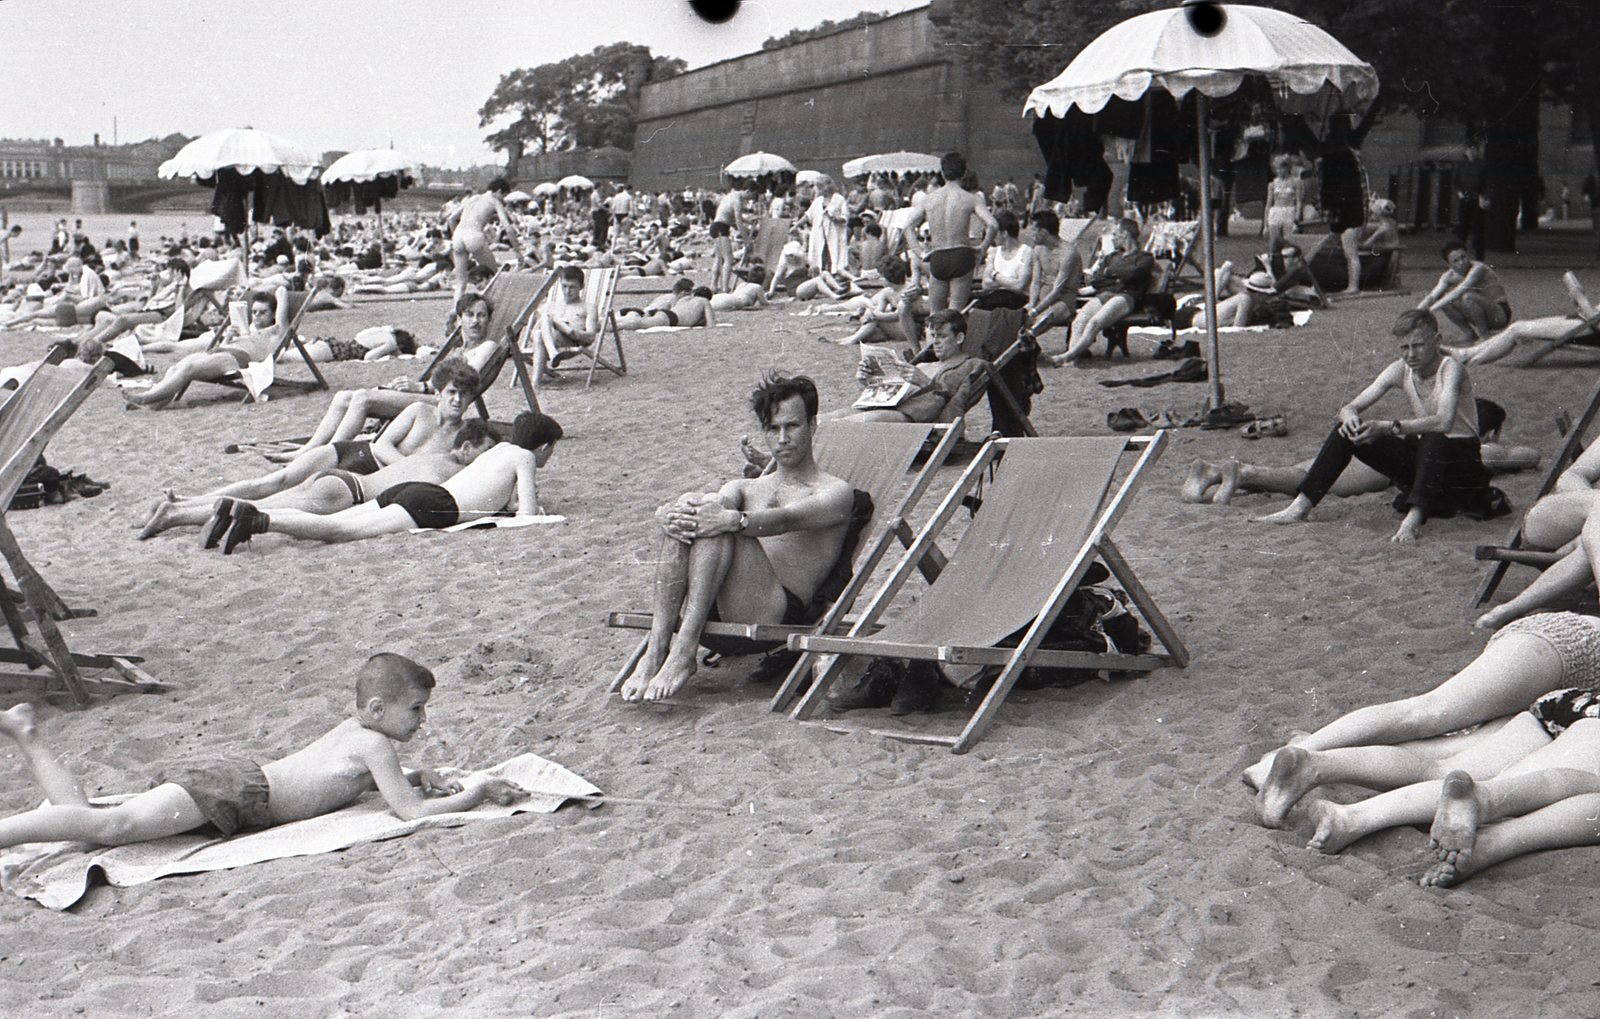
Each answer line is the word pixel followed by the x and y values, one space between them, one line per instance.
pixel 546 188
pixel 368 165
pixel 892 162
pixel 758 164
pixel 245 150
pixel 575 181
pixel 810 177
pixel 518 197
pixel 1210 49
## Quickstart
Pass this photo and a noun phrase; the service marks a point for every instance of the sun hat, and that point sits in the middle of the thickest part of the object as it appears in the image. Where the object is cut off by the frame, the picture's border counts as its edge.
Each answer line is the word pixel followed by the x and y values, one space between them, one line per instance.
pixel 1259 282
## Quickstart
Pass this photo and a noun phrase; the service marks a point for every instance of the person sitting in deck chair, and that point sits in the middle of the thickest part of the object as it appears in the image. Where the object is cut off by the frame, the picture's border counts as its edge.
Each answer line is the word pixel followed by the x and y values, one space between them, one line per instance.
pixel 938 391
pixel 565 325
pixel 1550 329
pixel 500 480
pixel 1117 281
pixel 756 551
pixel 234 351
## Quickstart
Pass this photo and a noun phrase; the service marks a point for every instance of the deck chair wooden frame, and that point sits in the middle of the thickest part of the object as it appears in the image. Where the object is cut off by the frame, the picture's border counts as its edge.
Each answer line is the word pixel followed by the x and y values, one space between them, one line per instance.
pixel 600 288
pixel 994 386
pixel 1585 327
pixel 513 297
pixel 1512 550
pixel 1077 555
pixel 888 525
pixel 300 301
pixel 29 418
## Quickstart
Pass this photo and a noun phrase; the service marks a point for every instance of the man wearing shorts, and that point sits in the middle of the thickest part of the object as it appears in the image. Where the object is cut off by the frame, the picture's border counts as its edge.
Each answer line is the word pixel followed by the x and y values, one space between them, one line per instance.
pixel 949 211
pixel 724 224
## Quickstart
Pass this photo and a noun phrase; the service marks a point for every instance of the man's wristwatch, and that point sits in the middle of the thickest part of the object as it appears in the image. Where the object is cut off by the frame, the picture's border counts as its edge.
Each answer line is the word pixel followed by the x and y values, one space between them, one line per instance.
pixel 744 521
pixel 1396 424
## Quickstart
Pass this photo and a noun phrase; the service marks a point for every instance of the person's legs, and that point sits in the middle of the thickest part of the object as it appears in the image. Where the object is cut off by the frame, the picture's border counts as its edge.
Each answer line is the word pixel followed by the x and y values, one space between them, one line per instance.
pixel 60 785
pixel 961 291
pixel 1331 460
pixel 1505 678
pixel 1569 575
pixel 194 367
pixel 1498 345
pixel 1557 519
pixel 1350 243
pixel 1296 771
pixel 1092 319
pixel 938 293
pixel 1571 822
pixel 368 520
pixel 307 463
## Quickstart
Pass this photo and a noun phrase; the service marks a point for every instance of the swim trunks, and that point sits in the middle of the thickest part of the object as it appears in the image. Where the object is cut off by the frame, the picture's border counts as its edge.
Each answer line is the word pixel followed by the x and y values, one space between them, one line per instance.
pixel 355 456
pixel 720 229
pixel 240 356
pixel 1559 709
pixel 672 316
pixel 346 350
pixel 351 481
pixel 230 791
pixel 429 505
pixel 1574 638
pixel 951 263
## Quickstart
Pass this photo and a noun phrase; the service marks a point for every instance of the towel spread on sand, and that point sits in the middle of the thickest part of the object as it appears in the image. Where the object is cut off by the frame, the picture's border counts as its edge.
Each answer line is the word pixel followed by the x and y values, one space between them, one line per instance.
pixel 502 523
pixel 57 874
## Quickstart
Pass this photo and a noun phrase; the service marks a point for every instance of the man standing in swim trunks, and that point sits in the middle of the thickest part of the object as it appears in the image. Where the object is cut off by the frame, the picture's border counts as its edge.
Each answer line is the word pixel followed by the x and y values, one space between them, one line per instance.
pixel 754 552
pixel 470 241
pixel 729 219
pixel 949 210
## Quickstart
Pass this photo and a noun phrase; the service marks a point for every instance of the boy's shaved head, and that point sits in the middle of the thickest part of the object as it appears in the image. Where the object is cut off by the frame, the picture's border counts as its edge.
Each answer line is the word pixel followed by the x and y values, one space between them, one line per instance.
pixel 388 677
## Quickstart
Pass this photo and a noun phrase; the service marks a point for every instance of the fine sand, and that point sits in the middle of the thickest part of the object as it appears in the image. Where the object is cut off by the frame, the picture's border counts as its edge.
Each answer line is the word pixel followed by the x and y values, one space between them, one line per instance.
pixel 1095 855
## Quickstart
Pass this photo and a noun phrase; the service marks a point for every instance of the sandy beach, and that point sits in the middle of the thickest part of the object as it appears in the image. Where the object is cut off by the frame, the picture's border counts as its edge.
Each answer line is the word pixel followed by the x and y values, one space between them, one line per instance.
pixel 1095 855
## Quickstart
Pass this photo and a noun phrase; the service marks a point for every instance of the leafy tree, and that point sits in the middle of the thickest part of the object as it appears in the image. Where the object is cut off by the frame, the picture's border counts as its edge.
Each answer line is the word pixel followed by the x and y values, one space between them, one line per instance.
pixel 778 42
pixel 589 100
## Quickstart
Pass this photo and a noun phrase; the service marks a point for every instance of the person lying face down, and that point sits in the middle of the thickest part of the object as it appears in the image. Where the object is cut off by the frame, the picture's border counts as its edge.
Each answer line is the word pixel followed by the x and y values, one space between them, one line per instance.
pixel 499 480
pixel 233 793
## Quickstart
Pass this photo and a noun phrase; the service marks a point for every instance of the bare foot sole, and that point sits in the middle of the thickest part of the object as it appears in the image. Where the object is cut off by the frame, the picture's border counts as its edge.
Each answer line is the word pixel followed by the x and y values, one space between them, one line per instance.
pixel 1288 515
pixel 1201 478
pixel 1441 875
pixel 1332 833
pixel 1290 776
pixel 1493 619
pixel 18 722
pixel 1455 822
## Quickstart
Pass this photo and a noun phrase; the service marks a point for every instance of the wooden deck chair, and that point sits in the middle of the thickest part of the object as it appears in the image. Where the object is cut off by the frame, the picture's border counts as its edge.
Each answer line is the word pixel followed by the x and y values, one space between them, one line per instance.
pixel 1512 551
pixel 212 278
pixel 29 418
pixel 1586 328
pixel 1173 245
pixel 512 297
pixel 996 336
pixel 1040 525
pixel 599 293
pixel 256 378
pixel 767 245
pixel 873 457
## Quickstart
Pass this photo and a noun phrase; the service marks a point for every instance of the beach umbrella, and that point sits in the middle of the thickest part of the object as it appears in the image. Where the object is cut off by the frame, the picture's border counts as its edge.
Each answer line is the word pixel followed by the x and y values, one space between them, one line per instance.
pixel 758 164
pixel 892 162
pixel 519 196
pixel 546 188
pixel 810 177
pixel 576 182
pixel 1210 50
pixel 369 176
pixel 237 161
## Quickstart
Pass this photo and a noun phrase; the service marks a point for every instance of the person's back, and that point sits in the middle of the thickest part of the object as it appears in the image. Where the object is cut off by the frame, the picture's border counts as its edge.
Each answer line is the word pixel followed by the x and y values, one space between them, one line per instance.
pixel 949 210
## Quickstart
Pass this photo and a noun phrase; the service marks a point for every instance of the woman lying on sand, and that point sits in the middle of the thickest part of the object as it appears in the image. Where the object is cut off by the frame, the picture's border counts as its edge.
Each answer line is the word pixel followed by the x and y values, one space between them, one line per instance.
pixel 1540 768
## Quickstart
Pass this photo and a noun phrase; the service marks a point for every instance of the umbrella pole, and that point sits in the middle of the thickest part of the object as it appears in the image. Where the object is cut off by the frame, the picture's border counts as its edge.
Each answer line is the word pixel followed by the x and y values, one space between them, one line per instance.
pixel 1208 249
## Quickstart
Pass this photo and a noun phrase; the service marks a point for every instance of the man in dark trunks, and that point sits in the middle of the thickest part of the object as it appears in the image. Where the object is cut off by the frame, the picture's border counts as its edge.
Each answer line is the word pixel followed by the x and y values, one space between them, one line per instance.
pixel 948 211
pixel 757 551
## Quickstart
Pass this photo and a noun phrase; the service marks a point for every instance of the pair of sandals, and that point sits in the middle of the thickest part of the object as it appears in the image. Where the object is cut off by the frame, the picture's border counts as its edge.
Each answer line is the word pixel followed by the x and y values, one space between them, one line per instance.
pixel 1276 427
pixel 1129 419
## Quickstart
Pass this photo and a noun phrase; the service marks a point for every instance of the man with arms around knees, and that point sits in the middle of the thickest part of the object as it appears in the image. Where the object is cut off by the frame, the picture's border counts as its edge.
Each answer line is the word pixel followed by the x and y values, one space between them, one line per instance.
pixel 754 552
pixel 949 210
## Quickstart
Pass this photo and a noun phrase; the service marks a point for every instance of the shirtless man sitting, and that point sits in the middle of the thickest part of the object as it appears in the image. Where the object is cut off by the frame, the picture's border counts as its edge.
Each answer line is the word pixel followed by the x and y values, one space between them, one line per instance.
pixel 1547 329
pixel 470 241
pixel 754 552
pixel 949 211
pixel 327 491
pixel 565 325
pixel 498 480
pixel 234 351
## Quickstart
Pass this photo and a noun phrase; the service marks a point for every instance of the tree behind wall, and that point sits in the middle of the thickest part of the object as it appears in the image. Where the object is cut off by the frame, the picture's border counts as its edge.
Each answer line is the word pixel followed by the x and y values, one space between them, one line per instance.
pixel 587 101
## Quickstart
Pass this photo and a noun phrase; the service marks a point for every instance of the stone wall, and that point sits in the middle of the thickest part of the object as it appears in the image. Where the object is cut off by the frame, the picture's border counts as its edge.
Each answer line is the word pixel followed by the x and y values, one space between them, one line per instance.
pixel 883 87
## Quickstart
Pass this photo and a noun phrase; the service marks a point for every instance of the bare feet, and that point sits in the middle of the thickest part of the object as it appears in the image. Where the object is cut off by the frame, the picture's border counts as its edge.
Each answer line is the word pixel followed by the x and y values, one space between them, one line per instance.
pixel 754 456
pixel 1288 515
pixel 1408 532
pixel 1455 822
pixel 1495 618
pixel 18 722
pixel 1201 478
pixel 1333 830
pixel 638 681
pixel 1230 483
pixel 675 671
pixel 1292 774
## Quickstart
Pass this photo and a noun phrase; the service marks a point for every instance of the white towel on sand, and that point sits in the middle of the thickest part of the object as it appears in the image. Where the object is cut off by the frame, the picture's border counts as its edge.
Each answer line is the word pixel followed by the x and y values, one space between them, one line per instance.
pixel 57 874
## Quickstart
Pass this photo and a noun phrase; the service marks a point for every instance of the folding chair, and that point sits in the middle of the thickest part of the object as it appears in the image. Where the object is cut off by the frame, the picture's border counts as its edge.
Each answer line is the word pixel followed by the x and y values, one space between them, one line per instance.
pixel 873 457
pixel 1512 551
pixel 599 291
pixel 1172 243
pixel 1037 529
pixel 512 297
pixel 996 336
pixel 256 378
pixel 28 420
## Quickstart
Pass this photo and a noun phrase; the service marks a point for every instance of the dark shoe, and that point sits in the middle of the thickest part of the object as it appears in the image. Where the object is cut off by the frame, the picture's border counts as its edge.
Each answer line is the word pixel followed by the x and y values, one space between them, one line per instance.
pixel 919 690
pixel 774 666
pixel 875 689
pixel 247 523
pixel 221 520
pixel 980 689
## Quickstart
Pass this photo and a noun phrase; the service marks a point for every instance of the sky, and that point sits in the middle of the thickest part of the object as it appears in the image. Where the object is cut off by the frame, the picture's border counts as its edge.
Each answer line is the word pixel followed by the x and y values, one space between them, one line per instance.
pixel 332 74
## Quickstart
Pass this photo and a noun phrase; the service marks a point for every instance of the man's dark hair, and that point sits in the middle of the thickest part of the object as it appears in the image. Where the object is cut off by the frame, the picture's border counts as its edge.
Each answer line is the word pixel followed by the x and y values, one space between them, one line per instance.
pixel 682 285
pixel 892 269
pixel 178 266
pixel 532 430
pixel 1008 222
pixel 571 272
pixel 951 317
pixel 473 432
pixel 268 299
pixel 1451 246
pixel 873 230
pixel 467 301
pixel 1409 322
pixel 498 185
pixel 389 676
pixel 455 371
pixel 1047 221
pixel 776 388
pixel 952 167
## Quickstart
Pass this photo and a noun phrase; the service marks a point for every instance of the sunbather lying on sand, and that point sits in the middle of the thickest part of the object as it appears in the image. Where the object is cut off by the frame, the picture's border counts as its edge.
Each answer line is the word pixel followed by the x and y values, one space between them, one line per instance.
pixel 1541 331
pixel 499 480
pixel 371 344
pixel 327 491
pixel 687 305
pixel 235 794
pixel 234 351
pixel 1524 661
pixel 349 409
